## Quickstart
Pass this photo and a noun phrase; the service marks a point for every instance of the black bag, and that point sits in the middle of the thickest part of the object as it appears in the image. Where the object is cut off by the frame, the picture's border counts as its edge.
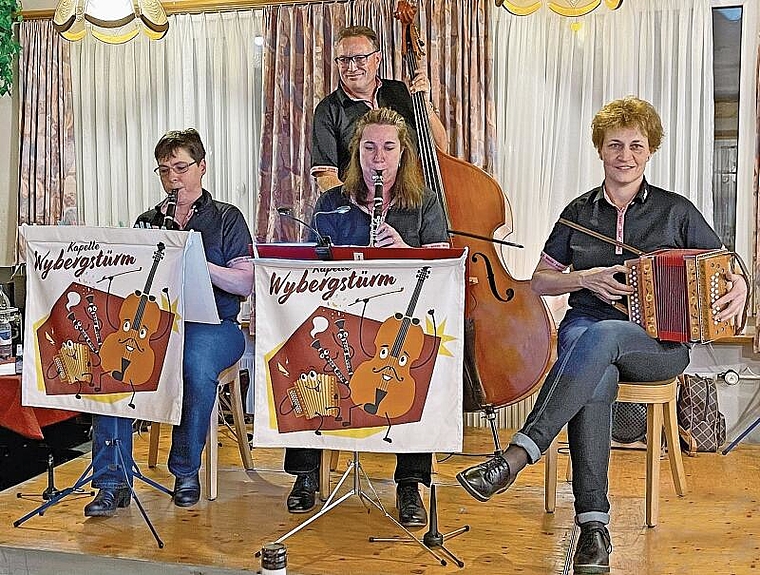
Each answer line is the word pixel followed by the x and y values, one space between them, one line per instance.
pixel 701 425
pixel 629 422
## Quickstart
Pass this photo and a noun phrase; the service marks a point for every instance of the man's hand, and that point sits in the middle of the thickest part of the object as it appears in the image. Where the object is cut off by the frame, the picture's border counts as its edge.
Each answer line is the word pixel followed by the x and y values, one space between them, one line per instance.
pixel 602 283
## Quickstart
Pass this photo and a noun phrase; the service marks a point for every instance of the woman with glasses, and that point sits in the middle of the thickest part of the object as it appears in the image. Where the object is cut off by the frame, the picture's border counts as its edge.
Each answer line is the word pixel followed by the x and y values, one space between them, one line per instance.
pixel 360 90
pixel 208 348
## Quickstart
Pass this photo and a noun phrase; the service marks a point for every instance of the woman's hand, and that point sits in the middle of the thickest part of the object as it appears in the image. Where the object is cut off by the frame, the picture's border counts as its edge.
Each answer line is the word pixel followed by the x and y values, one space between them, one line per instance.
pixel 731 304
pixel 602 283
pixel 388 237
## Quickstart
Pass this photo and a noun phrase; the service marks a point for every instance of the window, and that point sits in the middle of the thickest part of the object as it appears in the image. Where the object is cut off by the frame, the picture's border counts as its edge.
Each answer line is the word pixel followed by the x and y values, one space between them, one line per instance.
pixel 727 23
pixel 735 28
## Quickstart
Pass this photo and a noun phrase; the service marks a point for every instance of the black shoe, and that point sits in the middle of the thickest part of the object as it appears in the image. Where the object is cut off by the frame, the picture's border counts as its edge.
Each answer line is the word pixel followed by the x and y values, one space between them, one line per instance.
pixel 302 497
pixel 411 510
pixel 187 491
pixel 106 502
pixel 485 480
pixel 592 554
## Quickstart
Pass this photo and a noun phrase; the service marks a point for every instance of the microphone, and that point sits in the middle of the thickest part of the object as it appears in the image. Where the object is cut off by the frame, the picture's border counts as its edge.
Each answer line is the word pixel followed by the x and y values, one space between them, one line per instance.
pixel 339 210
pixel 377 207
pixel 171 208
pixel 287 212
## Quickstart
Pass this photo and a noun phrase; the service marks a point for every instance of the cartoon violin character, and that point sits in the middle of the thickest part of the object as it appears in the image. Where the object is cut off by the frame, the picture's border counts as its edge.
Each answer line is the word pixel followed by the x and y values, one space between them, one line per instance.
pixel 383 385
pixel 126 354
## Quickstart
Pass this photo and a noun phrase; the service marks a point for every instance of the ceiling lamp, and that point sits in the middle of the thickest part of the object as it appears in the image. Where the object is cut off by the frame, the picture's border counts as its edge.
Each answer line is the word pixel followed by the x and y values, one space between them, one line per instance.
pixel 571 8
pixel 111 21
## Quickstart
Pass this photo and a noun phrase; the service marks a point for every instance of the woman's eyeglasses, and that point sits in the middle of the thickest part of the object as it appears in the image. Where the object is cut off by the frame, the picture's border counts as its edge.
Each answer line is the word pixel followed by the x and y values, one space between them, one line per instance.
pixel 358 60
pixel 179 168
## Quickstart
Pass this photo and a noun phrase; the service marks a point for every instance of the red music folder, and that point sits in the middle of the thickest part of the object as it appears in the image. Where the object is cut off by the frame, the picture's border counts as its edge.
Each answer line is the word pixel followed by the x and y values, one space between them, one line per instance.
pixel 311 251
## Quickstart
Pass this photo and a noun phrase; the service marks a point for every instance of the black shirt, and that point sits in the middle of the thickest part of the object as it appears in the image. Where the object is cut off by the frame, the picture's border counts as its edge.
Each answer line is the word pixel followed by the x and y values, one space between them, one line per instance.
pixel 655 219
pixel 335 119
pixel 226 238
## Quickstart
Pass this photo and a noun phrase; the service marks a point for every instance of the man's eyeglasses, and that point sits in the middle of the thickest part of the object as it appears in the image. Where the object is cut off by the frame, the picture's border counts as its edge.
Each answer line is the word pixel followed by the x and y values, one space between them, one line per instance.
pixel 358 60
pixel 179 168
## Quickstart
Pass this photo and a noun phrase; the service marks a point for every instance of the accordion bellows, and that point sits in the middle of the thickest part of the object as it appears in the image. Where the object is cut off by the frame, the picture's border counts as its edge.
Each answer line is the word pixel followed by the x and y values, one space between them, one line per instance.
pixel 675 293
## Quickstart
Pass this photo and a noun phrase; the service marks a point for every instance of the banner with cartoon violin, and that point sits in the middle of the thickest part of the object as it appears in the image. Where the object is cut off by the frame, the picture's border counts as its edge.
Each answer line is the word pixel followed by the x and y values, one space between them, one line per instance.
pixel 104 330
pixel 360 355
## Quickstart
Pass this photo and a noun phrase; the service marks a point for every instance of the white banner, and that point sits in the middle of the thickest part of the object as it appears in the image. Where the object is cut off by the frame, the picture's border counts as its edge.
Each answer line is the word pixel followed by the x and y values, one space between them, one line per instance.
pixel 359 355
pixel 105 318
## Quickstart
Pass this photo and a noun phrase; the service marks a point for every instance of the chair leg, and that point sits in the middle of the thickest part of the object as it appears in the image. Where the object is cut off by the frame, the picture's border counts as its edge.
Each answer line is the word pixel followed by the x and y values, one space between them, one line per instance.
pixel 550 477
pixel 212 453
pixel 674 448
pixel 654 449
pixel 155 436
pixel 238 418
pixel 324 471
pixel 434 465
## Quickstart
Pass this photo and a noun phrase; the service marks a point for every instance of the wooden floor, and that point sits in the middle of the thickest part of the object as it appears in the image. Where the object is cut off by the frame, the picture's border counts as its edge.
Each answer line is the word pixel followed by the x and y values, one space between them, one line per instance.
pixel 714 529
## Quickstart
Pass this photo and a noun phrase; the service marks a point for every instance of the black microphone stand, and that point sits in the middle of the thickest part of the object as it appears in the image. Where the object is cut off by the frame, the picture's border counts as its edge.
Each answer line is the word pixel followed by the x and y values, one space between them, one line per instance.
pixel 324 244
pixel 51 491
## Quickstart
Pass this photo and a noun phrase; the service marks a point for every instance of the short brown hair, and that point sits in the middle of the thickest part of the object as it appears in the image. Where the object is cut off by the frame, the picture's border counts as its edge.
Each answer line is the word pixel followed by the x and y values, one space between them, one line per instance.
pixel 628 112
pixel 171 141
pixel 359 32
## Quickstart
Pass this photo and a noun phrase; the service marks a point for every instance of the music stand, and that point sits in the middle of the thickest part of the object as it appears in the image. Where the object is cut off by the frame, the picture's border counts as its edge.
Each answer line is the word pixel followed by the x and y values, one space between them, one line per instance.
pixel 357 490
pixel 114 456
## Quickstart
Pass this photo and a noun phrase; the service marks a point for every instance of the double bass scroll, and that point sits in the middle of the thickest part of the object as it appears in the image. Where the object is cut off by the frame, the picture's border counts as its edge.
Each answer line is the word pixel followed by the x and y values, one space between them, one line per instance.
pixel 508 330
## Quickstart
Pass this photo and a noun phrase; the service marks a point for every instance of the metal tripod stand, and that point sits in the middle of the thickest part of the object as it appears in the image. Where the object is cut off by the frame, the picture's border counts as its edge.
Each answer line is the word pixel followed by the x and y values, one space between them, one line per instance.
pixel 432 538
pixel 115 457
pixel 356 490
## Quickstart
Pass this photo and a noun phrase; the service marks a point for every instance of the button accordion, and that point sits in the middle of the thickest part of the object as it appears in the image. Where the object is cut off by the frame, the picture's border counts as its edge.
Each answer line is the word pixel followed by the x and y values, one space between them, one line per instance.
pixel 675 293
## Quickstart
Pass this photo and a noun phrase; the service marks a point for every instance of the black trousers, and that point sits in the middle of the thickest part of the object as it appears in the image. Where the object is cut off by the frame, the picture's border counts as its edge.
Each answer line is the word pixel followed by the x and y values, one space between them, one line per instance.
pixel 409 466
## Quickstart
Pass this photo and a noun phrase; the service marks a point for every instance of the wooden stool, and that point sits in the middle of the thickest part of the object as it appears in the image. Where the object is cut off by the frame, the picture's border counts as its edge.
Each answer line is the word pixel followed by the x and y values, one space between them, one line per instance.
pixel 231 377
pixel 660 399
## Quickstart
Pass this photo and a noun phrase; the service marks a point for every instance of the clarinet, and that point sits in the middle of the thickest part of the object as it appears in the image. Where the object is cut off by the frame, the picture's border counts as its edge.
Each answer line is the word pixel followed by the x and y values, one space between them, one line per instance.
pixel 377 208
pixel 171 208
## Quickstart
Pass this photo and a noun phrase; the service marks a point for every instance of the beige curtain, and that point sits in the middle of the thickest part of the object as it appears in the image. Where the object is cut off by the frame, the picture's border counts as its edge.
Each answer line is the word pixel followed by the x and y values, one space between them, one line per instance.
pixel 299 72
pixel 47 170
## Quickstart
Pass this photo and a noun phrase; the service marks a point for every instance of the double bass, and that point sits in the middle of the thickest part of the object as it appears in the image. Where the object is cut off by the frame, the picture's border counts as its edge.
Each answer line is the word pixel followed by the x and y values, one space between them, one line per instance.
pixel 508 331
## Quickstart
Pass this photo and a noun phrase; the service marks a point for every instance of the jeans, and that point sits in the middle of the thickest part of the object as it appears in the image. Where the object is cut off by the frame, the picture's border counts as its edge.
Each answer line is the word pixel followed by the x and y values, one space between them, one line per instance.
pixel 409 466
pixel 593 355
pixel 209 350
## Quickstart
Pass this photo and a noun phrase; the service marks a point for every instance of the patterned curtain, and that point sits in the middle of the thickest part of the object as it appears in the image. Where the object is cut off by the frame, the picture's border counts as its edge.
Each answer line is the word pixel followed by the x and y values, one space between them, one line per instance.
pixel 299 72
pixel 47 170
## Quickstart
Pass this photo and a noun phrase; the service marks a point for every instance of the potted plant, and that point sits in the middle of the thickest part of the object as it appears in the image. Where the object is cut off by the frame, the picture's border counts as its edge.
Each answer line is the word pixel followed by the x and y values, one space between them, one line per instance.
pixel 10 13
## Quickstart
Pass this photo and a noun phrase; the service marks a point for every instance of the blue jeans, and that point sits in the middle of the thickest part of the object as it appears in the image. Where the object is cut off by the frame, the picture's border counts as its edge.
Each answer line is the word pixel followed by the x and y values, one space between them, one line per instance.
pixel 593 355
pixel 209 350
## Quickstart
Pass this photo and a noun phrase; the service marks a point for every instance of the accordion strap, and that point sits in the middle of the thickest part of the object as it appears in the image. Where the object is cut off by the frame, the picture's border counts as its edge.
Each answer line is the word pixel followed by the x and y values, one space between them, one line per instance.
pixel 599 236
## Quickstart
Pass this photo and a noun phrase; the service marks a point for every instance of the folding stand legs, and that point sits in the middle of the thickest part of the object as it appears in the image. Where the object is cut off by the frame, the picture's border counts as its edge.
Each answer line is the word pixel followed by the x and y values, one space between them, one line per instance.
pixel 432 538
pixel 88 475
pixel 51 491
pixel 356 489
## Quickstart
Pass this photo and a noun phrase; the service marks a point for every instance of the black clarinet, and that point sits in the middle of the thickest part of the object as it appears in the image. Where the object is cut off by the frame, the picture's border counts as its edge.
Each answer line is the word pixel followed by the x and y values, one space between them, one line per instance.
pixel 171 208
pixel 377 207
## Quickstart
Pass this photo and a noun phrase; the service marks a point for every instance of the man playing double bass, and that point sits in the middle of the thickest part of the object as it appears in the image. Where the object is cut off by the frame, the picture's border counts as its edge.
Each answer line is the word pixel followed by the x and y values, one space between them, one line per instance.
pixel 335 118
pixel 360 90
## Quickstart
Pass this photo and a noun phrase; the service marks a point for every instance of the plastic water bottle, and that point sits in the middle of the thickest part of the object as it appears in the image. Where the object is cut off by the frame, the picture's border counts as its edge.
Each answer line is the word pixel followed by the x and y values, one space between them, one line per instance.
pixel 274 559
pixel 19 359
pixel 6 338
